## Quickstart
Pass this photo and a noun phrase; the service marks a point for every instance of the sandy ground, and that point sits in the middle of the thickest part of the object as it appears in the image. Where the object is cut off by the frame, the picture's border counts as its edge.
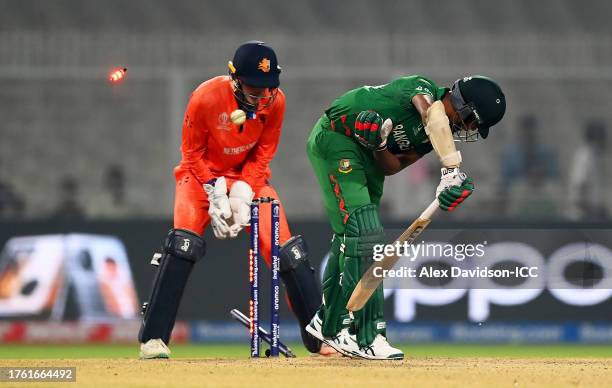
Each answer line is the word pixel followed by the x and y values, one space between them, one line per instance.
pixel 336 371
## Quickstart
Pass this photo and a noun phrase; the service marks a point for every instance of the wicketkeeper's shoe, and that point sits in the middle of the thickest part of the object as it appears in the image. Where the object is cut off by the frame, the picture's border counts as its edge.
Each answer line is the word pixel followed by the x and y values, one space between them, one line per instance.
pixel 380 349
pixel 154 348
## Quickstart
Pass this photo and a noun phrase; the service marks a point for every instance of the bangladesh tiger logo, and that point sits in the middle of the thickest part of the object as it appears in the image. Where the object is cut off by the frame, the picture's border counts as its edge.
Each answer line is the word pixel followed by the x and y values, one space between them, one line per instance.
pixel 345 166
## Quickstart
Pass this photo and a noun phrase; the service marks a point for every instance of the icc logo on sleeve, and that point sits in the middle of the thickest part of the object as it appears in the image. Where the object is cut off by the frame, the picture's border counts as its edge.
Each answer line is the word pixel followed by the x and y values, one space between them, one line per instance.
pixel 224 122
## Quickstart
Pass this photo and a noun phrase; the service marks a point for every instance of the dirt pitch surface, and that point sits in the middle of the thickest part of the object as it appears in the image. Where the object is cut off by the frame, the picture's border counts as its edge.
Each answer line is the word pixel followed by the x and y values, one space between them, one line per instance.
pixel 332 371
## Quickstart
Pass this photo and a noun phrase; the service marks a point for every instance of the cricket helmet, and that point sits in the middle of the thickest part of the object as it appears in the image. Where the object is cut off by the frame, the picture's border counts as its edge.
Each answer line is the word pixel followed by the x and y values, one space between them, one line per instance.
pixel 480 98
pixel 255 64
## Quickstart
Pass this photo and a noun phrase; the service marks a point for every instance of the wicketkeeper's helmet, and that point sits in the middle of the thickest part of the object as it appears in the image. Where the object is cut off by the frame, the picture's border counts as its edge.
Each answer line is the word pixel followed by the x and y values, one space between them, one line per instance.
pixel 256 65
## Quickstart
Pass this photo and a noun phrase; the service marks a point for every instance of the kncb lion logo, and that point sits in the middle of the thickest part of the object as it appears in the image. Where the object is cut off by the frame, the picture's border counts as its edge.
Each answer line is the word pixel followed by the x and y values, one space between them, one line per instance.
pixel 264 65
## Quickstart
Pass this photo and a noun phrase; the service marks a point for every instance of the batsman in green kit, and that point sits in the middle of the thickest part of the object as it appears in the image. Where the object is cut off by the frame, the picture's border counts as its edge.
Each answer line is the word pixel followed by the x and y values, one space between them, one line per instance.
pixel 369 133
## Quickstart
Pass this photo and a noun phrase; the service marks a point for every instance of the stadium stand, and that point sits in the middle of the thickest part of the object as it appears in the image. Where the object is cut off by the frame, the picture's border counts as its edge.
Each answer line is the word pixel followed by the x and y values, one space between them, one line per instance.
pixel 60 117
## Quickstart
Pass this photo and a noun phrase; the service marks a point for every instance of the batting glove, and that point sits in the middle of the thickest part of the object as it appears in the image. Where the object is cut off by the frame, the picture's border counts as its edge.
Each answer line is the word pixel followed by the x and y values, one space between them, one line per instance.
pixel 368 126
pixel 451 196
pixel 385 130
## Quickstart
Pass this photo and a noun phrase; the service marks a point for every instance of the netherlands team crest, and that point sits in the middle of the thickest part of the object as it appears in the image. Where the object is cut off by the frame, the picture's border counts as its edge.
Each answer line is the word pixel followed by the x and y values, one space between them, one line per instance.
pixel 264 65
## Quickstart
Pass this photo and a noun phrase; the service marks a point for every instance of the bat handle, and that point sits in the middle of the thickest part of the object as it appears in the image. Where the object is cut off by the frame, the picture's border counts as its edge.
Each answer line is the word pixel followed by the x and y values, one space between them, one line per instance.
pixel 431 209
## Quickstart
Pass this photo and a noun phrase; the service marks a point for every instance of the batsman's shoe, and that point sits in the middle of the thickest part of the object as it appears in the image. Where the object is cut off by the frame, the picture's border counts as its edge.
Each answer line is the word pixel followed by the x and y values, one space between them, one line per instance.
pixel 154 348
pixel 314 328
pixel 380 349
pixel 345 343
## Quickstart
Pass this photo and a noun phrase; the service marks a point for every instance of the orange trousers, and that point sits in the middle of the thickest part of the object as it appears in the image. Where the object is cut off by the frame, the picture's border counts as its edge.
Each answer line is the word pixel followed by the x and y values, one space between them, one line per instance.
pixel 191 210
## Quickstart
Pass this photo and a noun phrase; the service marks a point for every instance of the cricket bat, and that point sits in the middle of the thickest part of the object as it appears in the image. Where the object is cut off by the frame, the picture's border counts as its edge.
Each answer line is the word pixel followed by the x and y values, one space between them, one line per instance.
pixel 368 282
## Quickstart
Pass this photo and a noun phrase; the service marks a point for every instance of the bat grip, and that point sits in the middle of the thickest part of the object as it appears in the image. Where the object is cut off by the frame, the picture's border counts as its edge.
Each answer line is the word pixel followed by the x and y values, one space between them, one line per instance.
pixel 431 209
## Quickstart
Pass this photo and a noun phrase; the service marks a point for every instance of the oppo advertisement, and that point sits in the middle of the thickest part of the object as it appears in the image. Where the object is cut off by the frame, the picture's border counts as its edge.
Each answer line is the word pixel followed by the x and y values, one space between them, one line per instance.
pixel 539 275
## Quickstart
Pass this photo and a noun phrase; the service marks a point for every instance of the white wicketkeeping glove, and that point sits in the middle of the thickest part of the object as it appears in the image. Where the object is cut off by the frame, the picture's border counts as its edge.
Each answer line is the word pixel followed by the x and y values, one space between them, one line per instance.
pixel 385 130
pixel 240 198
pixel 219 207
pixel 450 177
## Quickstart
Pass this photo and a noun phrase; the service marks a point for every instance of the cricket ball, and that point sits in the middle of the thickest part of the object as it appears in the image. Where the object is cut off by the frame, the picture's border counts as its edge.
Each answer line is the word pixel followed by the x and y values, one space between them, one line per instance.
pixel 238 117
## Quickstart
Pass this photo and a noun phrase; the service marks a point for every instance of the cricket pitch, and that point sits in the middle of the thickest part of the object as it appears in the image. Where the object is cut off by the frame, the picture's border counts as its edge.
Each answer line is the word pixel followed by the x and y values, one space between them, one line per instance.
pixel 333 371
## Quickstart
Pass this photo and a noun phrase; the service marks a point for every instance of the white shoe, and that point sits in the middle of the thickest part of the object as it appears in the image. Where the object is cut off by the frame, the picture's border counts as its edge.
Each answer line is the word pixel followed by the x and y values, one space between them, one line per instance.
pixel 380 349
pixel 154 348
pixel 314 328
pixel 345 343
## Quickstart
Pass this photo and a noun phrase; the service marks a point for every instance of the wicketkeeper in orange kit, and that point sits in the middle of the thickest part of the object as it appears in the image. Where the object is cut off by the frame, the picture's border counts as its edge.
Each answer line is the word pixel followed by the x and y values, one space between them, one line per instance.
pixel 231 131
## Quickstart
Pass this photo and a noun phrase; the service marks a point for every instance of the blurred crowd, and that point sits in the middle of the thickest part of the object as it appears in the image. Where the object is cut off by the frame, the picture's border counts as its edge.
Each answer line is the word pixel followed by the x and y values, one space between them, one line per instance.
pixel 75 146
pixel 531 185
pixel 109 201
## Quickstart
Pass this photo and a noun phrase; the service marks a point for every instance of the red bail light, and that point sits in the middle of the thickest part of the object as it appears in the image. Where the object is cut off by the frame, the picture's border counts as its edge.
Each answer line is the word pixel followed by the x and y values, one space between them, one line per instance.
pixel 117 75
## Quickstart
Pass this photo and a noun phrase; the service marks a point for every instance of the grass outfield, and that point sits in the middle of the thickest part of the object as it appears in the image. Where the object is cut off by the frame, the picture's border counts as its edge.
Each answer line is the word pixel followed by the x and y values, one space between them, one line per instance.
pixel 238 351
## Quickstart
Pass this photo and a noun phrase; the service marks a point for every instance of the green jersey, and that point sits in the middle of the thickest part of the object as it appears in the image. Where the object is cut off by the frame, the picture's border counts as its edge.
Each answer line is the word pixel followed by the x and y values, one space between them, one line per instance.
pixel 393 101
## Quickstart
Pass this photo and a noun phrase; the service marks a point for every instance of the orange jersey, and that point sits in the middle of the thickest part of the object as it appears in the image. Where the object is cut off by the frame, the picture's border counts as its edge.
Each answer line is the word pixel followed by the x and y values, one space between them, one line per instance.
pixel 213 146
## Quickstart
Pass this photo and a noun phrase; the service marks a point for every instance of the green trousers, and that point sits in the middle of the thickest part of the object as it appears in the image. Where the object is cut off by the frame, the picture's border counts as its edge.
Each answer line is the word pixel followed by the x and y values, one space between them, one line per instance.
pixel 349 179
pixel 347 174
